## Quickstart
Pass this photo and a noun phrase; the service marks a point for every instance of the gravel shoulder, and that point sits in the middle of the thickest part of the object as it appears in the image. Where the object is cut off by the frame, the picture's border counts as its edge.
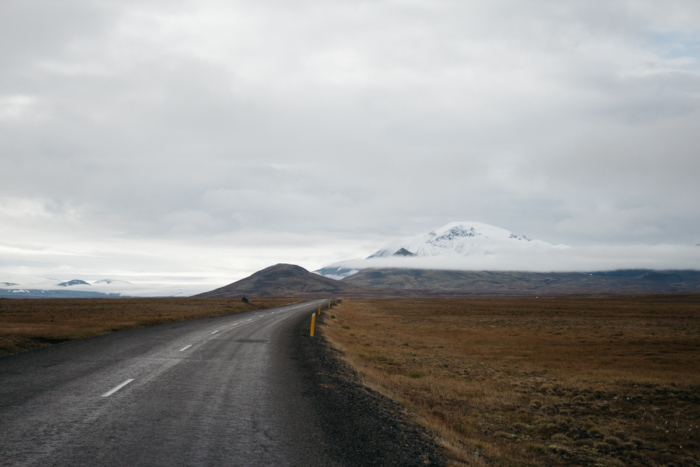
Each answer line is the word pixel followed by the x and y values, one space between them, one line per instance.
pixel 362 426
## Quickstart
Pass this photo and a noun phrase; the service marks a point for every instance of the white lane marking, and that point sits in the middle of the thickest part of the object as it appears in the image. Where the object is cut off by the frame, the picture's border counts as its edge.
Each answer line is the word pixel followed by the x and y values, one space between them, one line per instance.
pixel 214 332
pixel 116 388
pixel 185 348
pixel 250 320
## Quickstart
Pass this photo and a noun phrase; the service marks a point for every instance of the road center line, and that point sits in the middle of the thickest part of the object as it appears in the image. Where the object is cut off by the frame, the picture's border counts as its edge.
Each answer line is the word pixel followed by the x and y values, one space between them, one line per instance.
pixel 185 348
pixel 116 388
pixel 214 332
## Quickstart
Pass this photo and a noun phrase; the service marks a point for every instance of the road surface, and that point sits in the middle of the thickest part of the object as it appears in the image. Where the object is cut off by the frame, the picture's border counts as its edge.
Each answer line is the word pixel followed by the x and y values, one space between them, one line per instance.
pixel 217 391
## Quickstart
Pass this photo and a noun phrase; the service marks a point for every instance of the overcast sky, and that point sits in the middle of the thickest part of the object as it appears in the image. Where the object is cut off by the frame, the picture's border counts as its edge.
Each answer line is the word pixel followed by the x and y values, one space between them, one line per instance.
pixel 203 140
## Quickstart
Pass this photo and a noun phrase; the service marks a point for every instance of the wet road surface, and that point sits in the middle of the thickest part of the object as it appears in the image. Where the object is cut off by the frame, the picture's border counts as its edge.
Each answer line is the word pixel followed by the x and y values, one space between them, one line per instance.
pixel 216 391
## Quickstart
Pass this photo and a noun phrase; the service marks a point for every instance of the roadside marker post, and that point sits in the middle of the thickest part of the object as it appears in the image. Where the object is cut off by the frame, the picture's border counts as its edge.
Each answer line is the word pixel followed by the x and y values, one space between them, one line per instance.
pixel 313 323
pixel 329 305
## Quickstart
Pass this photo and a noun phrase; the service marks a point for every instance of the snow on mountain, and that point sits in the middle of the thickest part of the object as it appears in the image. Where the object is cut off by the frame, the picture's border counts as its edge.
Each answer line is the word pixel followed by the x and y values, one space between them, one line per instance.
pixel 15 285
pixel 110 281
pixel 24 281
pixel 457 245
pixel 461 239
pixel 336 272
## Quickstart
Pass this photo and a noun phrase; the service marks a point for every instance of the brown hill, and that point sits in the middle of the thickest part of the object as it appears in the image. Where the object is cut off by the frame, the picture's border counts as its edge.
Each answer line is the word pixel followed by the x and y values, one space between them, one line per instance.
pixel 289 280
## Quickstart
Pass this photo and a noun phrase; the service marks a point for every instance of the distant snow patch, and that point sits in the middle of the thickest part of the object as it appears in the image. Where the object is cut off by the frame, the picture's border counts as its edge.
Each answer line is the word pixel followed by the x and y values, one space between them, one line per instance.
pixel 110 281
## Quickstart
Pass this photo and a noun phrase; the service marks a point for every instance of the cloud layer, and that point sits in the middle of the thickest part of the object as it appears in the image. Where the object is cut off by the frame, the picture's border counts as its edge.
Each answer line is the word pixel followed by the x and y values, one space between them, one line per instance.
pixel 211 138
pixel 580 259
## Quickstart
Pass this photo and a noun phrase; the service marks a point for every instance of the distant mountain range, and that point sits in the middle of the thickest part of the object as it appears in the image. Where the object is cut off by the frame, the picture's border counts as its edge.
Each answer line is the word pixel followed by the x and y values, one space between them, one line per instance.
pixel 41 293
pixel 27 286
pixel 287 280
pixel 459 283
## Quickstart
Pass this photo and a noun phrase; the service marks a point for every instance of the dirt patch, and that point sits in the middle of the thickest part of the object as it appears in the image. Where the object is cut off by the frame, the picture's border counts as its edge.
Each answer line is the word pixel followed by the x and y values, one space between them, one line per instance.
pixel 548 381
pixel 27 323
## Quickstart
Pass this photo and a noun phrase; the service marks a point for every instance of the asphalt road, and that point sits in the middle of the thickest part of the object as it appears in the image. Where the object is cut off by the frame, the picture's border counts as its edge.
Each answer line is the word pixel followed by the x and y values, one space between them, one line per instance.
pixel 218 391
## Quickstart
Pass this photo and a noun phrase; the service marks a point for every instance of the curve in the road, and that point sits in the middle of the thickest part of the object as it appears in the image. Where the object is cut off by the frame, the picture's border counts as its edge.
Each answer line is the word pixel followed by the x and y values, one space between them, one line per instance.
pixel 201 392
pixel 247 389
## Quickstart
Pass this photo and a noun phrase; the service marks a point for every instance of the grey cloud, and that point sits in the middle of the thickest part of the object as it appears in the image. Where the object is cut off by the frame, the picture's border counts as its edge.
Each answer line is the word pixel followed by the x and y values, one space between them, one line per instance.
pixel 580 259
pixel 573 122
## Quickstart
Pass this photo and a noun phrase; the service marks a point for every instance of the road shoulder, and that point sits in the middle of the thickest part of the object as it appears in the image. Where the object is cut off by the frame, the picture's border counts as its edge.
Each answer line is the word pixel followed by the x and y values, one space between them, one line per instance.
pixel 363 427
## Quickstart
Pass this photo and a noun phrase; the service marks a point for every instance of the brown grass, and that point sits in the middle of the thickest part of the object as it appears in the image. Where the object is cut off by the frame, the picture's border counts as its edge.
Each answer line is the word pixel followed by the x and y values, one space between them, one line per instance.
pixel 26 323
pixel 551 381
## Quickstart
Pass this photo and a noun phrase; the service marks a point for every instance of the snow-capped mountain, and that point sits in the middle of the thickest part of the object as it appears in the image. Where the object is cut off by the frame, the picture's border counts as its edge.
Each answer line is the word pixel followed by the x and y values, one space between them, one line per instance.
pixel 21 285
pixel 457 245
pixel 460 239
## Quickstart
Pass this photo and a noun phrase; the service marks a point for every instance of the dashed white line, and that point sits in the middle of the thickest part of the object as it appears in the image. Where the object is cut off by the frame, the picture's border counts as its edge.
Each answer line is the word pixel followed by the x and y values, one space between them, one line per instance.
pixel 185 348
pixel 116 388
pixel 214 332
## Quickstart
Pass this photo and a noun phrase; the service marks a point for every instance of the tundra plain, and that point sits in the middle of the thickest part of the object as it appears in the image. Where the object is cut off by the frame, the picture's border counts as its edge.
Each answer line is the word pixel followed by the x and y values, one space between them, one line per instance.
pixel 598 380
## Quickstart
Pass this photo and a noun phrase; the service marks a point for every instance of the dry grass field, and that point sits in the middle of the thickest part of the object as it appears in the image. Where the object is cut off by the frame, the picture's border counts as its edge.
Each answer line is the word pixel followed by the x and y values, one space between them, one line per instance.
pixel 599 381
pixel 26 323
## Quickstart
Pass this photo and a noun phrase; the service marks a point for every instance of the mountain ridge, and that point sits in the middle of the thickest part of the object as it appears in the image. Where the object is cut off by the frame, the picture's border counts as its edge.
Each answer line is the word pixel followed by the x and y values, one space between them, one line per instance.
pixel 290 280
pixel 14 285
pixel 435 282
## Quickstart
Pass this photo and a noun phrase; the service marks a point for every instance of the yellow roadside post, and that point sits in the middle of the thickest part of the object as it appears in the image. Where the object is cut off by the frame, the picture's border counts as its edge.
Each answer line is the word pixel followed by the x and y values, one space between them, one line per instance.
pixel 313 323
pixel 329 305
pixel 319 310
